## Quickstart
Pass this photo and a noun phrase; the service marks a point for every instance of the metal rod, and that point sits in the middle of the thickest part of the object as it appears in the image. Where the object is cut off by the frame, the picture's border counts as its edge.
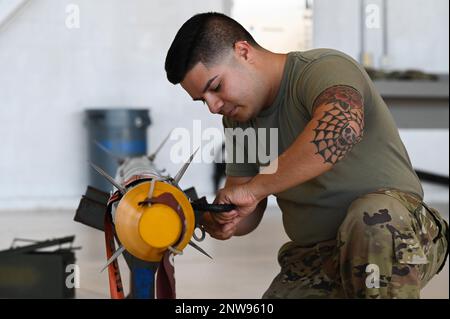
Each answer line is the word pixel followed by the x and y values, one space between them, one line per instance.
pixel 121 189
pixel 116 254
pixel 194 245
pixel 152 157
pixel 183 169
pixel 119 159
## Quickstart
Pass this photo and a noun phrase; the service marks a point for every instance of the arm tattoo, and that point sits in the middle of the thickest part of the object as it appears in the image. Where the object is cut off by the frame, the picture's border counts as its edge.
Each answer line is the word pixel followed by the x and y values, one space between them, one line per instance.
pixel 342 124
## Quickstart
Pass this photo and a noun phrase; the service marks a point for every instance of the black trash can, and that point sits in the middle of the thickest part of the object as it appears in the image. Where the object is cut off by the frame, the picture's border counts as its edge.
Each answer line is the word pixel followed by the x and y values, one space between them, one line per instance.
pixel 120 132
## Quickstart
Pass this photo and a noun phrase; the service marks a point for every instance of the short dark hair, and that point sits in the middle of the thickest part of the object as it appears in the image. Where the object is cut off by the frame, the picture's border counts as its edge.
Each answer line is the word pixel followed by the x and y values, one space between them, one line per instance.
pixel 203 38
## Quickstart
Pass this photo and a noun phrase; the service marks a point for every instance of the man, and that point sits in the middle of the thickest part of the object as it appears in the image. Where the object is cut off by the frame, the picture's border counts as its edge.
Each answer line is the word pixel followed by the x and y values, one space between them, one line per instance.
pixel 351 201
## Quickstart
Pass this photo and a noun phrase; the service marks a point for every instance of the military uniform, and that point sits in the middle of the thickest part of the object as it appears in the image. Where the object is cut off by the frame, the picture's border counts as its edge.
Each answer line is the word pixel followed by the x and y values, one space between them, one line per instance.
pixel 344 230
pixel 389 246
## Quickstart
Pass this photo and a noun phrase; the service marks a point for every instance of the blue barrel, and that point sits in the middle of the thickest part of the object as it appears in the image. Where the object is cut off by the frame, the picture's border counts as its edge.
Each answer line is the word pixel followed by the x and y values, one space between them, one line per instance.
pixel 120 132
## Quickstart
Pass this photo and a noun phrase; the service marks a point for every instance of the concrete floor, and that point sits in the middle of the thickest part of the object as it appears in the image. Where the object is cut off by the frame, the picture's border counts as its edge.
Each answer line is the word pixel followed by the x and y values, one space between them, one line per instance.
pixel 242 267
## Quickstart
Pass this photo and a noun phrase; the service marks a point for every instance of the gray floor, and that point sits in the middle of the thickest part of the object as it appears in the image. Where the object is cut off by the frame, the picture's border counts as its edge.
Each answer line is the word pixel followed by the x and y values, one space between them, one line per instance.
pixel 242 267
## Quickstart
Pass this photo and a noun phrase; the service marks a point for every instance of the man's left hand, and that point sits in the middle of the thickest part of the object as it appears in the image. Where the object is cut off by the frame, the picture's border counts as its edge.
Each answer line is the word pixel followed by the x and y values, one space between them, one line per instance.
pixel 239 195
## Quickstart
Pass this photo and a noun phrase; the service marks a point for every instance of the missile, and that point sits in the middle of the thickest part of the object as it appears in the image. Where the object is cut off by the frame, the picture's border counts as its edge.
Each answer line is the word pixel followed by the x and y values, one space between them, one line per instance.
pixel 150 215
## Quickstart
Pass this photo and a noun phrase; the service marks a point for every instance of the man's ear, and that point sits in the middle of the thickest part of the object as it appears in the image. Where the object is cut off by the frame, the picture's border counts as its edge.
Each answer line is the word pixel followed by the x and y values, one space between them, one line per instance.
pixel 243 50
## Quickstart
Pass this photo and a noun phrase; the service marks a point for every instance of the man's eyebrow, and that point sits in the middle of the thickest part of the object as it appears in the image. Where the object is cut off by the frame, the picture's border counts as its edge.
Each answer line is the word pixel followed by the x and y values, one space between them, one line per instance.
pixel 206 87
pixel 209 83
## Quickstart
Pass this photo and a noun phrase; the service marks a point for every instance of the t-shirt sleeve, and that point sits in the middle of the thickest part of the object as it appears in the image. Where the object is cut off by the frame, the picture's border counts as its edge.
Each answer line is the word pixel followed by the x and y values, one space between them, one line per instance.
pixel 237 165
pixel 329 71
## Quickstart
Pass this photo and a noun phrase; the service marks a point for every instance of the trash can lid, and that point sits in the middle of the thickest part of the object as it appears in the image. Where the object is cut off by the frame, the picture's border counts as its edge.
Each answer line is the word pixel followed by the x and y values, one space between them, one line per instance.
pixel 119 117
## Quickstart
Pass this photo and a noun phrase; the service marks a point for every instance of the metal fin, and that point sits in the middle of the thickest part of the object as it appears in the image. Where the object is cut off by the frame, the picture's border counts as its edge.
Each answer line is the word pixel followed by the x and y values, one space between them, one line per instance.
pixel 183 169
pixel 121 189
pixel 116 254
pixel 118 159
pixel 194 245
pixel 152 156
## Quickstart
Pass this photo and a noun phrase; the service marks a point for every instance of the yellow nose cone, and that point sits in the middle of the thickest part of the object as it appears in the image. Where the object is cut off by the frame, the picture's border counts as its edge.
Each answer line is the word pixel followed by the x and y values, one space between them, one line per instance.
pixel 160 226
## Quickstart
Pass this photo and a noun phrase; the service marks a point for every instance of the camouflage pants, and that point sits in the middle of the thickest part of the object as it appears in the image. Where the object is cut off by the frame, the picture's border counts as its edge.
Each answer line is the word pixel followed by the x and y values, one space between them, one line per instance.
pixel 389 246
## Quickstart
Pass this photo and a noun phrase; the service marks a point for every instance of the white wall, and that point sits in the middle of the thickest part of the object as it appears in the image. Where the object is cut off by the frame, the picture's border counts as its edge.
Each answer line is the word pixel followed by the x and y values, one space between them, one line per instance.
pixel 336 25
pixel 418 31
pixel 49 74
pixel 288 28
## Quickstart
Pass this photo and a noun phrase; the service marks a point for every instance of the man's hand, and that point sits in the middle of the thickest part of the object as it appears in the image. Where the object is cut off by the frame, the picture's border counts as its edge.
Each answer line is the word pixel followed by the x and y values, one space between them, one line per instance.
pixel 239 195
pixel 217 230
pixel 225 225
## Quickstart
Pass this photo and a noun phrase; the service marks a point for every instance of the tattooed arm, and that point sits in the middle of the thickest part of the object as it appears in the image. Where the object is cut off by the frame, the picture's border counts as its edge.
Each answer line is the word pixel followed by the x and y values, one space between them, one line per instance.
pixel 337 125
pixel 338 122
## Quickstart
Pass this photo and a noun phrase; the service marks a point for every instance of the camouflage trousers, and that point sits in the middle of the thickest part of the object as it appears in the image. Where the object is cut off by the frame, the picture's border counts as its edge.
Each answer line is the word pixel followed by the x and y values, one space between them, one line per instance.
pixel 389 246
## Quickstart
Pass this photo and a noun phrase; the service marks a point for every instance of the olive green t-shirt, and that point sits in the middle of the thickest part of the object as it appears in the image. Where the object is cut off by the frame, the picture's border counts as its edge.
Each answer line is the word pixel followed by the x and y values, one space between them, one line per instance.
pixel 314 210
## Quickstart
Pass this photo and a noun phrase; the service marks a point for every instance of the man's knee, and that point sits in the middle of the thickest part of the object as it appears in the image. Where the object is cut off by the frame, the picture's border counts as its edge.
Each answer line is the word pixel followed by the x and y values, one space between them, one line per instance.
pixel 368 217
pixel 379 231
